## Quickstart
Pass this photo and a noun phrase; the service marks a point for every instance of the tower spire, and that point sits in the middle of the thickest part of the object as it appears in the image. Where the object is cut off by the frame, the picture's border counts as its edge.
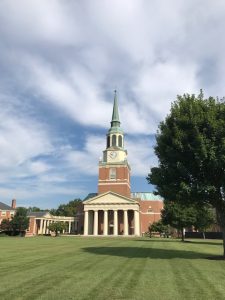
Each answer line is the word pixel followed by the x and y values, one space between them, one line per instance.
pixel 115 115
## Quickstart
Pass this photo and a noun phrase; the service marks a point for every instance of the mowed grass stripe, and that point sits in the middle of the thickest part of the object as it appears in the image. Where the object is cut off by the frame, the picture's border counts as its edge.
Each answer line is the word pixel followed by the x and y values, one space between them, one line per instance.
pixel 53 268
pixel 114 268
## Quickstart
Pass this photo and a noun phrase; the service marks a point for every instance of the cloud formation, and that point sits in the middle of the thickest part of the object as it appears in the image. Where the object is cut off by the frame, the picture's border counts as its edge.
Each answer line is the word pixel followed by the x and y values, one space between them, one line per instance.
pixel 60 62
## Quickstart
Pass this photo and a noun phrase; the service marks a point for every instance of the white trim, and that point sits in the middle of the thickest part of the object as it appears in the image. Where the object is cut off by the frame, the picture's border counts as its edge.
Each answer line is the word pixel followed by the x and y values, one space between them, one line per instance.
pixel 113 182
pixel 150 213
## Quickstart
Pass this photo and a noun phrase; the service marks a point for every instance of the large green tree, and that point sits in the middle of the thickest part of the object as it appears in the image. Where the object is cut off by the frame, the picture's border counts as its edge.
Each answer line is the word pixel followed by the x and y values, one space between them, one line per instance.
pixel 5 225
pixel 190 145
pixel 178 216
pixel 20 221
pixel 204 219
pixel 68 210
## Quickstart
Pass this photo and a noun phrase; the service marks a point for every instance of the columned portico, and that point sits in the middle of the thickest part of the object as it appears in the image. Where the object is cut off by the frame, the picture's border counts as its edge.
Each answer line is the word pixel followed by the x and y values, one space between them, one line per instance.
pixel 111 214
pixel 39 222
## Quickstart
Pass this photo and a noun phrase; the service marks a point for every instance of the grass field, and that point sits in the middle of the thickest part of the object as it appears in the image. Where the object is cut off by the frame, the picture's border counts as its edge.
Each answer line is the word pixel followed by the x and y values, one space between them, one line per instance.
pixel 108 268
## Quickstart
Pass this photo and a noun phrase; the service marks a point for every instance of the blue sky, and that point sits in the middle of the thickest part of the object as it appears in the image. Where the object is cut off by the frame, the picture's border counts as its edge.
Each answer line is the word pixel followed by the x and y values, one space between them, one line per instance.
pixel 60 62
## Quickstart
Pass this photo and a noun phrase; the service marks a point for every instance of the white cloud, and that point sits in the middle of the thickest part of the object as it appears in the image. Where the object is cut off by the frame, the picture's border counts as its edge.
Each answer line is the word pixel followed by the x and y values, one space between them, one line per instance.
pixel 140 155
pixel 20 140
pixel 151 51
pixel 61 60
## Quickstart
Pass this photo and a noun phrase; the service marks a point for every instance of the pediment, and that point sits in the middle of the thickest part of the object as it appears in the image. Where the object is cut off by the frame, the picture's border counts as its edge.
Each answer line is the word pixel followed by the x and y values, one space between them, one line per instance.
pixel 47 215
pixel 110 198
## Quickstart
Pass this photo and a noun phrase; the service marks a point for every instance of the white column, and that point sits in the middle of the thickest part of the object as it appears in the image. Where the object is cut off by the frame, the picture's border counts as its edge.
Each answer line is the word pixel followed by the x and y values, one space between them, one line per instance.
pixel 48 223
pixel 41 225
pixel 44 227
pixel 46 231
pixel 86 222
pixel 136 223
pixel 125 222
pixel 47 226
pixel 96 222
pixel 105 231
pixel 64 223
pixel 69 229
pixel 115 228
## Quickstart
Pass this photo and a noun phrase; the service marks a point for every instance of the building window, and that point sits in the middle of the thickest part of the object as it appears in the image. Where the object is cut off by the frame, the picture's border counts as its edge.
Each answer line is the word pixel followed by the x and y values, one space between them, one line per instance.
pixel 3 213
pixel 108 141
pixel 112 173
pixel 150 209
pixel 120 141
pixel 114 140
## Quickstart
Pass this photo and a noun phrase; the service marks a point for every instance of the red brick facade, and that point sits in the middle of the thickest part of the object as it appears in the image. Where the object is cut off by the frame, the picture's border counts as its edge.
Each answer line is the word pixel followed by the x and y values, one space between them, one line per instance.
pixel 7 212
pixel 119 185
pixel 150 211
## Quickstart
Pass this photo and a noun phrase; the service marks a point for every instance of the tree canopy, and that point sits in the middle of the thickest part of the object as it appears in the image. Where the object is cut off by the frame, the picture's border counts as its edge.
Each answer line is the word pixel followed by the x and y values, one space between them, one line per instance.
pixel 159 227
pixel 57 227
pixel 180 216
pixel 68 210
pixel 190 145
pixel 20 221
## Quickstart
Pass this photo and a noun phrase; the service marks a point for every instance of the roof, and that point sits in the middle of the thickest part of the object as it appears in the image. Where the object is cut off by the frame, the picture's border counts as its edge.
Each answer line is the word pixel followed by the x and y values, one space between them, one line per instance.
pixel 37 214
pixel 115 195
pixel 146 196
pixel 90 195
pixel 4 206
pixel 139 195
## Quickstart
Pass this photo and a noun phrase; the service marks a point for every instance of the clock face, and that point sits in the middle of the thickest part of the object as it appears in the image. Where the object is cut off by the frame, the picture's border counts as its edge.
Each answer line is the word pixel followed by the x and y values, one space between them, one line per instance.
pixel 113 154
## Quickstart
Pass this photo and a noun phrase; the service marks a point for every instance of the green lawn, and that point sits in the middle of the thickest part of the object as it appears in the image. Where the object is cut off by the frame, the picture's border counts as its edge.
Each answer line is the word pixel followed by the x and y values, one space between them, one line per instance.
pixel 108 268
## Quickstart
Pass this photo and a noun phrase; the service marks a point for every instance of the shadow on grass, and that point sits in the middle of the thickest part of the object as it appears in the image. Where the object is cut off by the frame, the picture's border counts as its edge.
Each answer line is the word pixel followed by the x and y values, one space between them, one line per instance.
pixel 179 241
pixel 204 243
pixel 136 252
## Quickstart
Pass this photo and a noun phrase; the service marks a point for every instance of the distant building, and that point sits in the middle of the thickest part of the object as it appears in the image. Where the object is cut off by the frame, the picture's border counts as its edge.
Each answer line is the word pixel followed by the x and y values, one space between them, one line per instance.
pixel 39 222
pixel 114 210
pixel 7 212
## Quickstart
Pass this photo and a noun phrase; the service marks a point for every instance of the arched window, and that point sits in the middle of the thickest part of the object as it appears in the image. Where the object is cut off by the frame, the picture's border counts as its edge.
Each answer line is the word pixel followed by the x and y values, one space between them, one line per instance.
pixel 114 140
pixel 120 141
pixel 108 141
pixel 112 173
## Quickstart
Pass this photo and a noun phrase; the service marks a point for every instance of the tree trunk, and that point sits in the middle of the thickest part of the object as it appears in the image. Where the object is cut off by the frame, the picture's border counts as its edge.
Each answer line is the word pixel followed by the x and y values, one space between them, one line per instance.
pixel 182 234
pixel 203 233
pixel 221 221
pixel 223 230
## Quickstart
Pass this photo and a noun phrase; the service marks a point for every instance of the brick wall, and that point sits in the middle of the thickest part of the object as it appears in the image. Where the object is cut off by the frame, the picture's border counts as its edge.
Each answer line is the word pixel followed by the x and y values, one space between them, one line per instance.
pixel 149 213
pixel 120 185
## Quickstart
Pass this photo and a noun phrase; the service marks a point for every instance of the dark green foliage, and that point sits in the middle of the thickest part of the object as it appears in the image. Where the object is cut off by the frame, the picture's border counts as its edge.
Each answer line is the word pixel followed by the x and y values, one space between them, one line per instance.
pixel 33 209
pixel 181 216
pixel 160 228
pixel 5 225
pixel 68 210
pixel 191 152
pixel 20 222
pixel 204 219
pixel 57 227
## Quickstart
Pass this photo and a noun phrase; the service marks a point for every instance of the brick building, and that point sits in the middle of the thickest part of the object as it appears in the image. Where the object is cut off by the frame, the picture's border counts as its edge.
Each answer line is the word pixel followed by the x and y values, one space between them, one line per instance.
pixel 114 210
pixel 39 222
pixel 7 212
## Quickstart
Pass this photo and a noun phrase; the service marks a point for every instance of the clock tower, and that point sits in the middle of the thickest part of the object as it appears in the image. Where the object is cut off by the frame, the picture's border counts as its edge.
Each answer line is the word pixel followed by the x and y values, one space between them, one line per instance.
pixel 114 170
